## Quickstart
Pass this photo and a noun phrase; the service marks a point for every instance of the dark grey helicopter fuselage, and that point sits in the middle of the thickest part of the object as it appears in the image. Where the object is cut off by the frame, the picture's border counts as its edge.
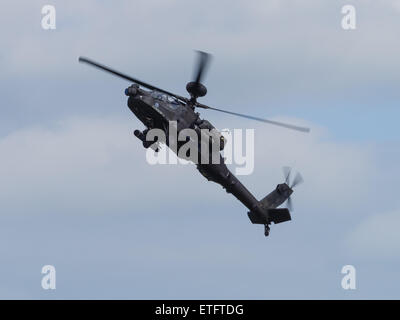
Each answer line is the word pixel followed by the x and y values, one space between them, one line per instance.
pixel 156 110
pixel 164 110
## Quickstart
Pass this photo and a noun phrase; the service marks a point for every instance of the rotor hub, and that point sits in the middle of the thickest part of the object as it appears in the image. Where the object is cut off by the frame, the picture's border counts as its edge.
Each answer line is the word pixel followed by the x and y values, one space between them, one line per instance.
pixel 196 89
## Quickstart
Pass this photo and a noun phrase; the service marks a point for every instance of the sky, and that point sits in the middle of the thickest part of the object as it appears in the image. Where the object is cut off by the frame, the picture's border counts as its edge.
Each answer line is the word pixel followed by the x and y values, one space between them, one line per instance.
pixel 77 193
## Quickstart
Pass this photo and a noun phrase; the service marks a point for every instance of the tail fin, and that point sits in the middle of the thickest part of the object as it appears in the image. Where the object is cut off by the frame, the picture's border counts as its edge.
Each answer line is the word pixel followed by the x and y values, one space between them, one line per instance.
pixel 274 199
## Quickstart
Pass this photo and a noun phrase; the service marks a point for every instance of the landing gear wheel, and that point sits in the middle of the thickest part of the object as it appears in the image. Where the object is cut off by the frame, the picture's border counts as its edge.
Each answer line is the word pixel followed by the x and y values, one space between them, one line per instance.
pixel 266 230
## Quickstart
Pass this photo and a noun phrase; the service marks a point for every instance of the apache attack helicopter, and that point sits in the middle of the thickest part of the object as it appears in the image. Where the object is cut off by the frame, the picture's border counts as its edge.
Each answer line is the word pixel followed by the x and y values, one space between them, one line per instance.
pixel 157 108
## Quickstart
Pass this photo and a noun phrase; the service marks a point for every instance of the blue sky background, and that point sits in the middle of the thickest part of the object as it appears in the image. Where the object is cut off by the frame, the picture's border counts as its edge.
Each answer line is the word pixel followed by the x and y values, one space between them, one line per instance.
pixel 76 191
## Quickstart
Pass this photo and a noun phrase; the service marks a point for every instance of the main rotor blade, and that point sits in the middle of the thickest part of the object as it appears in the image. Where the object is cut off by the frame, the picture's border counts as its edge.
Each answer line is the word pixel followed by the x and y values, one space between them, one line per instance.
pixel 126 77
pixel 202 63
pixel 281 124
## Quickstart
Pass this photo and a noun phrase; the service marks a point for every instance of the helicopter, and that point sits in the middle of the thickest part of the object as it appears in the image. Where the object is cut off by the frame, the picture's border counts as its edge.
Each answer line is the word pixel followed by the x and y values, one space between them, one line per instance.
pixel 157 108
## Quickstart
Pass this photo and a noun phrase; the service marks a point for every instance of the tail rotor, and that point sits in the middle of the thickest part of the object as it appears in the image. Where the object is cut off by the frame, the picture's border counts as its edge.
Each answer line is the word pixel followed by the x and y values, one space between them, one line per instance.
pixel 298 179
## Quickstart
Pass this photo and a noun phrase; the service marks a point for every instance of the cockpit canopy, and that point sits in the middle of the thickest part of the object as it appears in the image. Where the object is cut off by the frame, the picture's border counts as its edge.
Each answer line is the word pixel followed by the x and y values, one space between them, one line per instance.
pixel 163 97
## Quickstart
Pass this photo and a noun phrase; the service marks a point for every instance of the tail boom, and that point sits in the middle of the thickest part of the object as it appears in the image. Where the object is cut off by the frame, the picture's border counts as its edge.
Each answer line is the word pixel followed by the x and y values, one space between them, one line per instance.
pixel 264 211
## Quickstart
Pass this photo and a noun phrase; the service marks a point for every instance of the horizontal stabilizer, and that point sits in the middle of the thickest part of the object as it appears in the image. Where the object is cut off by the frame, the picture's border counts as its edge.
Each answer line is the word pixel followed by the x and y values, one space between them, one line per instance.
pixel 272 215
pixel 257 218
pixel 279 215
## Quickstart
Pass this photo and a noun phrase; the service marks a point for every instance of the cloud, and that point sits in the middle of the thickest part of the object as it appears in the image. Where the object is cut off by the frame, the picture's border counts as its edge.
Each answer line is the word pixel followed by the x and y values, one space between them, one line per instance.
pixel 377 237
pixel 86 159
pixel 337 175
pixel 129 32
pixel 83 164
pixel 75 188
pixel 83 194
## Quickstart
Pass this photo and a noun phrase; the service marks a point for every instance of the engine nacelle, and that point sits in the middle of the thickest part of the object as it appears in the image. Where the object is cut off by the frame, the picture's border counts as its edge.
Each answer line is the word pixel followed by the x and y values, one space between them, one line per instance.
pixel 132 90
